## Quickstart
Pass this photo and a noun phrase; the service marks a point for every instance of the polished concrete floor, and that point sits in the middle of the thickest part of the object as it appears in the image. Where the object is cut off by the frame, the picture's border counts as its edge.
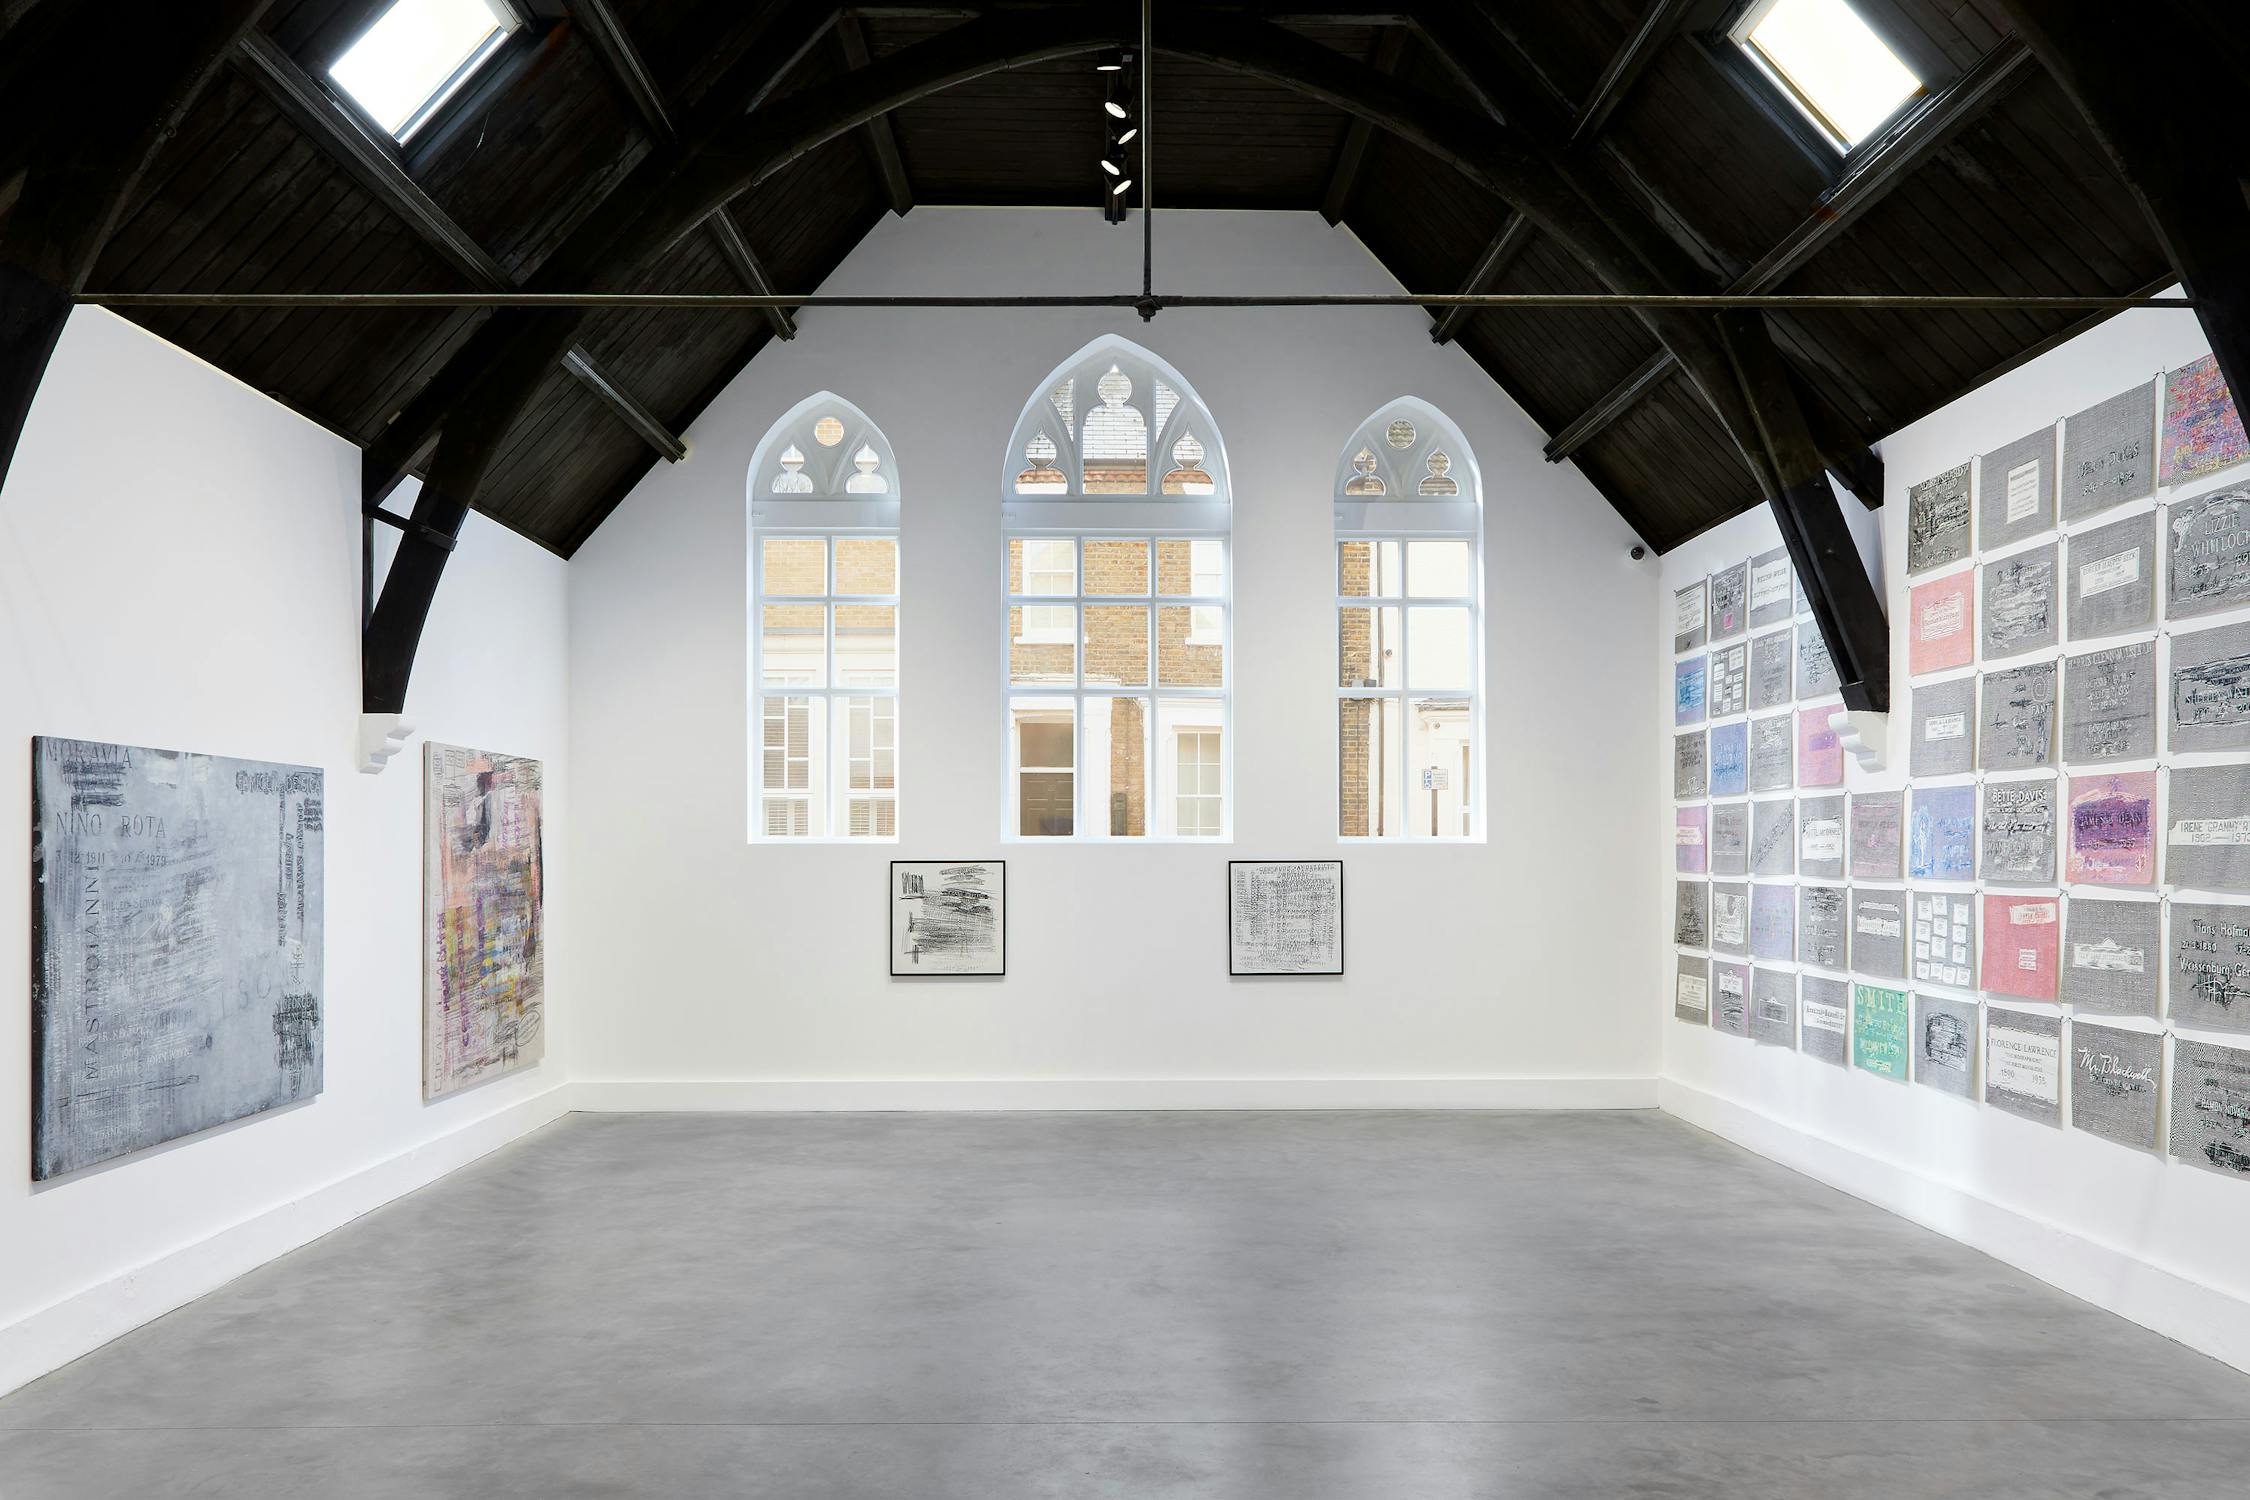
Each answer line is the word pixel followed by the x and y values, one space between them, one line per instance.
pixel 1240 1306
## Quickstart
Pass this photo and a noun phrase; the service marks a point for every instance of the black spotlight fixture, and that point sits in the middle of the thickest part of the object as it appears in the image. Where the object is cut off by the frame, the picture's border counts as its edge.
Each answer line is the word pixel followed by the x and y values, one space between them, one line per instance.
pixel 1119 129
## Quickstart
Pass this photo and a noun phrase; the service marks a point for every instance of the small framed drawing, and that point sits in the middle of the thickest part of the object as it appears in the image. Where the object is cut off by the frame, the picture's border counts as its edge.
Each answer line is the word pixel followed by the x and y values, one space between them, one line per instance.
pixel 1285 916
pixel 948 917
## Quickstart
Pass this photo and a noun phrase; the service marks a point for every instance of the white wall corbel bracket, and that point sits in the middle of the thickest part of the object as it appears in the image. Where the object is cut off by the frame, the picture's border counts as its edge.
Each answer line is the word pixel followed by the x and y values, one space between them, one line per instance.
pixel 381 736
pixel 1865 733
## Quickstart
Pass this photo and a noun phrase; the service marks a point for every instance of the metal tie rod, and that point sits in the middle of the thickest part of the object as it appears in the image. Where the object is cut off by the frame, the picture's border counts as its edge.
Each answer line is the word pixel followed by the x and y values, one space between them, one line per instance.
pixel 1152 302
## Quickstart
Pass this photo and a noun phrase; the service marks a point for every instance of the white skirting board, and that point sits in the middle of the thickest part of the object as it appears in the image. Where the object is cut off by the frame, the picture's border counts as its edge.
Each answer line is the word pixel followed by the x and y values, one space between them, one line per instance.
pixel 630 1096
pixel 2204 1318
pixel 78 1325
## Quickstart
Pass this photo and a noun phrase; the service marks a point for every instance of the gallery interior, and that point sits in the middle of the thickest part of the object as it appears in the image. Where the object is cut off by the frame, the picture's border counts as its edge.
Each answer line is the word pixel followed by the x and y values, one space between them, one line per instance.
pixel 1144 748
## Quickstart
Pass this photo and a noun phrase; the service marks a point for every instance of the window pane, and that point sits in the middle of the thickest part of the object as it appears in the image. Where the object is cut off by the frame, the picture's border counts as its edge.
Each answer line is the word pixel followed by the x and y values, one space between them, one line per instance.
pixel 1184 659
pixel 1043 644
pixel 796 565
pixel 1116 765
pixel 793 648
pixel 1836 63
pixel 870 741
pixel 1192 566
pixel 1117 645
pixel 1367 569
pixel 791 753
pixel 1368 770
pixel 1367 646
pixel 1041 735
pixel 866 645
pixel 415 49
pixel 1439 760
pixel 1437 648
pixel 1043 565
pixel 1116 567
pixel 1438 570
pixel 1193 804
pixel 866 565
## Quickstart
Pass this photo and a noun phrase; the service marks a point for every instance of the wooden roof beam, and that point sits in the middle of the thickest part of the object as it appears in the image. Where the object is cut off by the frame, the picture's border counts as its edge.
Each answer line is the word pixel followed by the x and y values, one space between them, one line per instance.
pixel 589 373
pixel 1353 152
pixel 1864 184
pixel 882 140
pixel 1483 276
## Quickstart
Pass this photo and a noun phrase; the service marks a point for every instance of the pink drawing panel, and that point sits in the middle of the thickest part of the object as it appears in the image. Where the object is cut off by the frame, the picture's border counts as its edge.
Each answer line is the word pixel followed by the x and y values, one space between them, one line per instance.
pixel 1941 623
pixel 2020 945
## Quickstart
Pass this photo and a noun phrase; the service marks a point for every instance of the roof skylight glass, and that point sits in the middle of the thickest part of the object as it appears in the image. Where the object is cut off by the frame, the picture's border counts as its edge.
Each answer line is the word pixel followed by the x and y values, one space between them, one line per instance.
pixel 416 54
pixel 1831 64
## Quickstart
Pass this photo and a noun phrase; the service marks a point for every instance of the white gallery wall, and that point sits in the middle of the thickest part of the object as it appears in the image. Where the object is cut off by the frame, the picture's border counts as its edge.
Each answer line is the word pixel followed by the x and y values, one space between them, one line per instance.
pixel 1489 973
pixel 179 568
pixel 2155 1239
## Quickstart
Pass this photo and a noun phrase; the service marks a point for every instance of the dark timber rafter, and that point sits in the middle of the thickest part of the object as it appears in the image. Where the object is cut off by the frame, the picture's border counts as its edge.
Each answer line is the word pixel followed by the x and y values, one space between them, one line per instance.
pixel 1353 152
pixel 882 141
pixel 2189 166
pixel 80 119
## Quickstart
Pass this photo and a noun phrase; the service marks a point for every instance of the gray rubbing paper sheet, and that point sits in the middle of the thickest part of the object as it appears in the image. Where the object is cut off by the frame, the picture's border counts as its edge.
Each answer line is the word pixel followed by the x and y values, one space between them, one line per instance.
pixel 2209 965
pixel 1820 837
pixel 2019 603
pixel 1944 726
pixel 1688 608
pixel 2109 704
pixel 1729 681
pixel 2109 578
pixel 1824 1016
pixel 1773 587
pixel 1877 819
pixel 1691 913
pixel 2019 832
pixel 1690 773
pixel 176 945
pixel 1730 601
pixel 2023 1063
pixel 2109 453
pixel 1730 998
pixel 1691 991
pixel 1730 918
pixel 1773 922
pixel 1816 673
pixel 1879 933
pixel 1945 1044
pixel 2207 542
pixel 1730 838
pixel 2016 490
pixel 2210 705
pixel 1772 750
pixel 1820 926
pixel 2016 731
pixel 2113 1078
pixel 2207 827
pixel 1937 521
pixel 1773 1007
pixel 1770 671
pixel 2111 955
pixel 1773 837
pixel 2211 1106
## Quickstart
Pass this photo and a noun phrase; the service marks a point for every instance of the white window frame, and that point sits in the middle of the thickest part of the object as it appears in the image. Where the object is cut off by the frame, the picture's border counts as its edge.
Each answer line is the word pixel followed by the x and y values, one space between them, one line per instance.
pixel 1828 130
pixel 507 20
pixel 1156 776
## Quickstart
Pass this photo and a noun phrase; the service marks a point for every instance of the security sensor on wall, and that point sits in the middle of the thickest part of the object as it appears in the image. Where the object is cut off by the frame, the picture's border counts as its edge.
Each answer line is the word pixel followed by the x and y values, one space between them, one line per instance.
pixel 1638 552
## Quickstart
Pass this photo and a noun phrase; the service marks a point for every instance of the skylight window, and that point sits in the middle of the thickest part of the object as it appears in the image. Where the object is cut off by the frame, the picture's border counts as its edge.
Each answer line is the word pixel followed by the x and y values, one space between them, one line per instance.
pixel 1830 63
pixel 416 54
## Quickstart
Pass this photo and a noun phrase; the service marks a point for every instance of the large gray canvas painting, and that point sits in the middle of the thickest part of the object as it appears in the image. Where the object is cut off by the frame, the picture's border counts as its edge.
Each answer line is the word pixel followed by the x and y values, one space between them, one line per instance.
pixel 2018 832
pixel 1820 926
pixel 2016 490
pixel 2207 828
pixel 2207 550
pixel 2210 705
pixel 2109 580
pixel 1730 998
pixel 1945 1044
pixel 1820 837
pixel 1944 727
pixel 1773 1007
pixel 2023 1063
pixel 1824 1008
pixel 1730 838
pixel 2109 453
pixel 2209 965
pixel 2016 731
pixel 2211 1106
pixel 1772 752
pixel 1879 933
pixel 2109 704
pixel 1691 991
pixel 1770 671
pixel 1730 918
pixel 2113 1079
pixel 1773 837
pixel 1816 671
pixel 2019 603
pixel 1937 521
pixel 1878 819
pixel 1773 585
pixel 1690 773
pixel 2112 953
pixel 176 945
